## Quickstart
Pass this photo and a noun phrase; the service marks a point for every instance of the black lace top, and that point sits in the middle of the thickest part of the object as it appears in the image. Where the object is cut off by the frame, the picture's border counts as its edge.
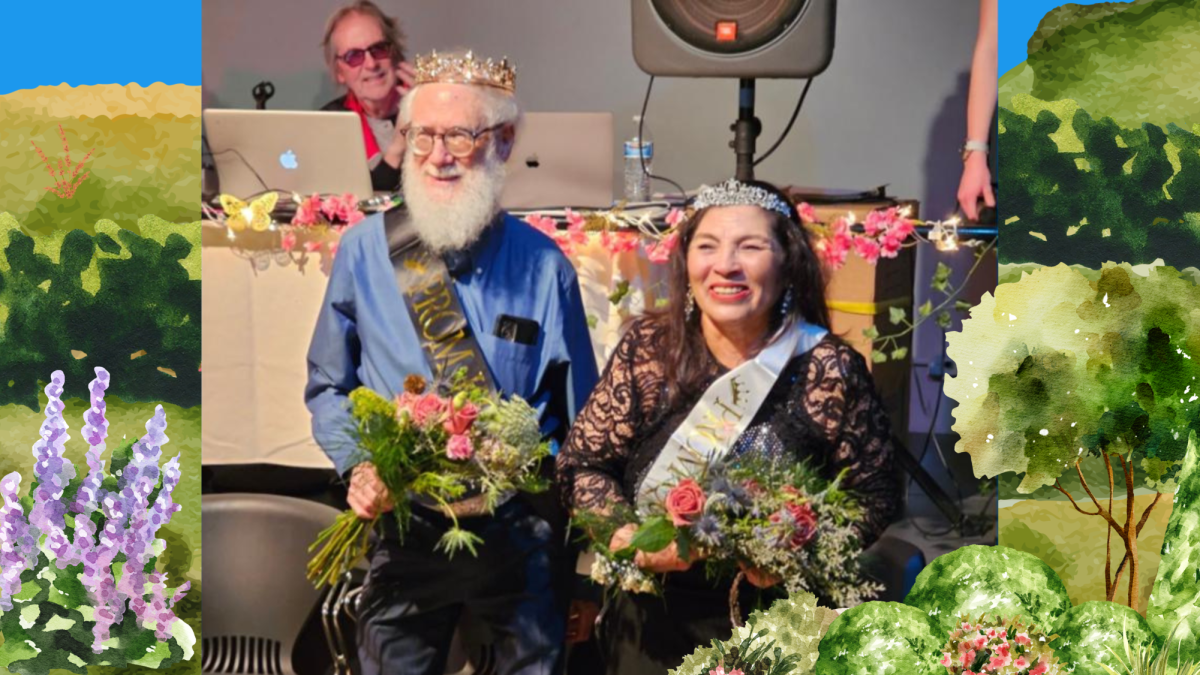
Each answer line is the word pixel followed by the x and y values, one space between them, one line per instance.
pixel 823 409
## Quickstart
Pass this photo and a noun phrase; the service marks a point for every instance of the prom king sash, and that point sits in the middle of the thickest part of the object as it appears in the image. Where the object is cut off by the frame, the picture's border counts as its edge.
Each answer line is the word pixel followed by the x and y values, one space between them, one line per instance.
pixel 445 336
pixel 721 416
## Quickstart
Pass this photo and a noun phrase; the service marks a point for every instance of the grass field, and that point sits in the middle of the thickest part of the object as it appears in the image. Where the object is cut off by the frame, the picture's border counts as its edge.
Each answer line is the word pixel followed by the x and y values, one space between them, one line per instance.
pixel 1073 544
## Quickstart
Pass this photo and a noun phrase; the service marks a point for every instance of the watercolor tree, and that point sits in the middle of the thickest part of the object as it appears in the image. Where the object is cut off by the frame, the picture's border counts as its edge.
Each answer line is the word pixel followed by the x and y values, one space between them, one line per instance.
pixel 78 554
pixel 1057 371
pixel 1175 600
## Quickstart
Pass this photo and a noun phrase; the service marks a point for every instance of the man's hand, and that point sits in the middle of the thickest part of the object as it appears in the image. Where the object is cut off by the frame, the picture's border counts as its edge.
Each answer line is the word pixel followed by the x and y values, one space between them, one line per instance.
pixel 407 76
pixel 976 182
pixel 368 496
pixel 580 620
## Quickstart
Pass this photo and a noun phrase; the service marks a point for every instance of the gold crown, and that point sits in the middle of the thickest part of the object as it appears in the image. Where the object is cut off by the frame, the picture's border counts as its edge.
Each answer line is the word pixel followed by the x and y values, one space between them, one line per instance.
pixel 466 70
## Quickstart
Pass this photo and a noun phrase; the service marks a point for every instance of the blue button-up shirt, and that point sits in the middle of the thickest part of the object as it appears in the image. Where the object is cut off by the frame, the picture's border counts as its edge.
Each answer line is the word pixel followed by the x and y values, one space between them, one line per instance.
pixel 365 336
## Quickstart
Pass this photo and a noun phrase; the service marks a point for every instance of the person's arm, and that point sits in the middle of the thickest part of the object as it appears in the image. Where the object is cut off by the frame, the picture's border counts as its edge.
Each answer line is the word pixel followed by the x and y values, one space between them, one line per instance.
pixel 385 177
pixel 981 102
pixel 333 360
pixel 854 420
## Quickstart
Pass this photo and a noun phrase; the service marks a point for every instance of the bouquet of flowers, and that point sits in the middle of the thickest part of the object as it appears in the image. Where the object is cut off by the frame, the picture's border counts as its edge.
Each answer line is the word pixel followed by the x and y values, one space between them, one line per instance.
pixel 747 513
pixel 319 216
pixel 436 446
pixel 1001 647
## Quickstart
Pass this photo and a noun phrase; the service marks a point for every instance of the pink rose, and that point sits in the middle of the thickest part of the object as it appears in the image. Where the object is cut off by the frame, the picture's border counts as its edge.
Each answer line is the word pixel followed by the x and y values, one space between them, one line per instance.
pixel 1021 662
pixel 807 213
pixel 1023 639
pixel 309 212
pixel 945 659
pixel 684 502
pixel 674 217
pixel 998 662
pixel 618 242
pixel 877 221
pixel 660 252
pixel 867 248
pixel 806 523
pixel 429 409
pixel 355 217
pixel 543 224
pixel 460 420
pixel 901 228
pixel 1040 668
pixel 890 246
pixel 980 642
pixel 459 447
pixel 340 208
pixel 288 241
pixel 967 658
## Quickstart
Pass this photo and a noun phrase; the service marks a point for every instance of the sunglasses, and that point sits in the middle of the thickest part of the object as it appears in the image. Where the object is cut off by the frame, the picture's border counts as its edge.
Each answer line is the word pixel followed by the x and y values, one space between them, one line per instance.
pixel 379 51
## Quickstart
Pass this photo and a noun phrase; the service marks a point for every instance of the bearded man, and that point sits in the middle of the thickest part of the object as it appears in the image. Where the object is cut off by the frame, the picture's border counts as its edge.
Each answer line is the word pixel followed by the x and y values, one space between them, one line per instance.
pixel 517 297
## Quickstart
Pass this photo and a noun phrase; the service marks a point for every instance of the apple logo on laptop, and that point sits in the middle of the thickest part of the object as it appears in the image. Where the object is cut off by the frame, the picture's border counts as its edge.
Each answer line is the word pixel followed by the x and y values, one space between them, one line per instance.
pixel 288 160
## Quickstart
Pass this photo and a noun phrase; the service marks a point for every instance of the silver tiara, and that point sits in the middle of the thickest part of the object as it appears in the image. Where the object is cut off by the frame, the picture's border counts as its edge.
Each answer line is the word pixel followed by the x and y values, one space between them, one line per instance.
pixel 735 193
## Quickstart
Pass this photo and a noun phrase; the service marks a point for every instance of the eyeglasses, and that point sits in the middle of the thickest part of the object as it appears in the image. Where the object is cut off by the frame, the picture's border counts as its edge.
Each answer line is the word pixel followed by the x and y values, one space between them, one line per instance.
pixel 379 51
pixel 459 142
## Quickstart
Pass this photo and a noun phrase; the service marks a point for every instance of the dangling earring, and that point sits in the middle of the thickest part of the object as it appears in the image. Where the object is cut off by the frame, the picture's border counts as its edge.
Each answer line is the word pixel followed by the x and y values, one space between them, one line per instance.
pixel 690 308
pixel 786 305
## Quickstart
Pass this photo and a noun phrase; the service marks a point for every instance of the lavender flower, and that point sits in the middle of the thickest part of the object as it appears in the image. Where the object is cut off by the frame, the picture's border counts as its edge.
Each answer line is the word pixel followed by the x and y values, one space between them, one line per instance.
pixel 18 542
pixel 53 472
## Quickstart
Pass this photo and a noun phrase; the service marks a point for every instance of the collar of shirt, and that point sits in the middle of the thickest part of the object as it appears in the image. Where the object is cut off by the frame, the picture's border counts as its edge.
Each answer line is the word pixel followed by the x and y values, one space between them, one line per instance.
pixel 459 263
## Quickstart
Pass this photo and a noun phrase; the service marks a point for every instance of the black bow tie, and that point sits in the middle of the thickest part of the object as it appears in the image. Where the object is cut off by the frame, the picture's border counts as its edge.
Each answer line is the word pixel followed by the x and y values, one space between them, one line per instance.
pixel 458 263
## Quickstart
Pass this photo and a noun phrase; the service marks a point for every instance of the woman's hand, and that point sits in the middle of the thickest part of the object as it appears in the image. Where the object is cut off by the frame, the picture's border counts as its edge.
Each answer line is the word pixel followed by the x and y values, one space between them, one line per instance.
pixel 758 577
pixel 666 560
pixel 621 538
pixel 976 182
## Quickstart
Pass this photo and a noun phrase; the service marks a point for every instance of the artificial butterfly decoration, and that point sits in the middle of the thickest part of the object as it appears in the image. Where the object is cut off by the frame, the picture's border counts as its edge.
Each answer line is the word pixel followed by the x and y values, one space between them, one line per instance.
pixel 254 216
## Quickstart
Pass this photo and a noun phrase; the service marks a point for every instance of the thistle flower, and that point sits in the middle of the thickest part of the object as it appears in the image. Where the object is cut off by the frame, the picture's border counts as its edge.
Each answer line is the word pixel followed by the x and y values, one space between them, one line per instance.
pixel 707 531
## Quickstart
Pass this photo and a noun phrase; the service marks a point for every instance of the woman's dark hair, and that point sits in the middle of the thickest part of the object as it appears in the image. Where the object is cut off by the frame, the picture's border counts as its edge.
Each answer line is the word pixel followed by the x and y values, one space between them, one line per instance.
pixel 687 362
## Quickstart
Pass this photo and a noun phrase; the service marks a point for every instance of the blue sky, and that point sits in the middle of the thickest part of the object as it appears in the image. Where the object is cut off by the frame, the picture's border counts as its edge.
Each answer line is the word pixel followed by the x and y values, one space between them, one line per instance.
pixel 89 42
pixel 1018 20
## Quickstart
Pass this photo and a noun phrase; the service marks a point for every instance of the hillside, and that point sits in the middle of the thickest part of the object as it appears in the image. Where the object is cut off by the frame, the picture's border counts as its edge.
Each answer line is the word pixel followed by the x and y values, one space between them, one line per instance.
pixel 1132 61
pixel 108 100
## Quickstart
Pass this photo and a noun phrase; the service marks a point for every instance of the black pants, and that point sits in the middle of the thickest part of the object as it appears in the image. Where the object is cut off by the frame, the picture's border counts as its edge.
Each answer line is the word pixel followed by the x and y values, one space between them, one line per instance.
pixel 414 596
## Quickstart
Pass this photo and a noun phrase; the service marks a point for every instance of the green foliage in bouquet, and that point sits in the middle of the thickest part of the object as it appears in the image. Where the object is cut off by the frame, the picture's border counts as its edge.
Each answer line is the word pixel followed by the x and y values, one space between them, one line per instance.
pixel 1087 633
pixel 440 450
pixel 794 625
pixel 999 581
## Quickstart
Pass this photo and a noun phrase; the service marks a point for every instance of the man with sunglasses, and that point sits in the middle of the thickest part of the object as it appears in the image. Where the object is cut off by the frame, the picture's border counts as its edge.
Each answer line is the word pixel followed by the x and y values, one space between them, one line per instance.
pixel 364 49
pixel 517 301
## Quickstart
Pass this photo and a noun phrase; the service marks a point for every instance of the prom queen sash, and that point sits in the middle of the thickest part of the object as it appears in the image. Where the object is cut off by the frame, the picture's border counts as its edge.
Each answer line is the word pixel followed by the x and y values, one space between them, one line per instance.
pixel 443 332
pixel 722 414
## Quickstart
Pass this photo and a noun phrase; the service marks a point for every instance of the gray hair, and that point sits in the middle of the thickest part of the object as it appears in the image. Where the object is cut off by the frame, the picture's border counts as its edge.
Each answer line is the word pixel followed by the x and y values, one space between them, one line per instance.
pixel 390 27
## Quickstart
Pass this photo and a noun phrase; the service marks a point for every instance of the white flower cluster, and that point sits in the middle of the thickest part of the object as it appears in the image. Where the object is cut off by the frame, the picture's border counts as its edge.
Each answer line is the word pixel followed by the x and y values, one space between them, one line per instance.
pixel 625 575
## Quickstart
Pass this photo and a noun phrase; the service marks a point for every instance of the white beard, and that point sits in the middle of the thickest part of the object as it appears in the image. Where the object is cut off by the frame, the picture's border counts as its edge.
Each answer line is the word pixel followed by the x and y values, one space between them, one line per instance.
pixel 454 224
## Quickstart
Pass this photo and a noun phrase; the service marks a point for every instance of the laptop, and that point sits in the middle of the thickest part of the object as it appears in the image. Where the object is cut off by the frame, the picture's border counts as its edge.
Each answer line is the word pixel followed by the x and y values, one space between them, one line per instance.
pixel 304 152
pixel 561 159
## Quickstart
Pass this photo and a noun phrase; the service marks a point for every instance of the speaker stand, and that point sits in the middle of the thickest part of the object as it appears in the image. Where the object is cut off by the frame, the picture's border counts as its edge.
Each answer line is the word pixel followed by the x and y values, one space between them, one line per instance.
pixel 745 131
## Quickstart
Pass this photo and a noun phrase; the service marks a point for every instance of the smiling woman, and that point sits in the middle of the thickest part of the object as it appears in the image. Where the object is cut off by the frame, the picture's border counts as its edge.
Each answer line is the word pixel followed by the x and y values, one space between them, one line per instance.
pixel 747 306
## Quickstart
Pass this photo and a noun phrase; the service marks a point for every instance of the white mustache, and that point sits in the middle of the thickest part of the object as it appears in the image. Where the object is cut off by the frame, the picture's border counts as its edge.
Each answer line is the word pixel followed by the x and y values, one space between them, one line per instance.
pixel 444 172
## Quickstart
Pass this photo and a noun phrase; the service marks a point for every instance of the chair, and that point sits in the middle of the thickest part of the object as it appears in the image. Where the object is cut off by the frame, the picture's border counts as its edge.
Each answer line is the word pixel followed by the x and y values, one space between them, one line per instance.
pixel 256 594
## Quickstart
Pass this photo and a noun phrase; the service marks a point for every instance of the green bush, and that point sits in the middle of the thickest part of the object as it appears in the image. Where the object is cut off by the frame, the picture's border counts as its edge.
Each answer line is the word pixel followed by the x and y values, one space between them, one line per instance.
pixel 109 298
pixel 1123 182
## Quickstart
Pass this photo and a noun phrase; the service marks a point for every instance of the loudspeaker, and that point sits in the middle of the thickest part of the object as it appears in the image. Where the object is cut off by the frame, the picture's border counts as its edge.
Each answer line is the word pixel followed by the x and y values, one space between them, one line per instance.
pixel 733 38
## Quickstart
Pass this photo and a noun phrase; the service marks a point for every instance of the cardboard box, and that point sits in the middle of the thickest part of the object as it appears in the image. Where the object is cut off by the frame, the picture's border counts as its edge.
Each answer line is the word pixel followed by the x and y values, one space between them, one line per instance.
pixel 860 295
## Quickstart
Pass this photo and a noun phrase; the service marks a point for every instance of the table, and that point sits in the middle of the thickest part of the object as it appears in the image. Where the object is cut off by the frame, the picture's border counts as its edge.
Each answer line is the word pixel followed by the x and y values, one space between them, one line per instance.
pixel 258 321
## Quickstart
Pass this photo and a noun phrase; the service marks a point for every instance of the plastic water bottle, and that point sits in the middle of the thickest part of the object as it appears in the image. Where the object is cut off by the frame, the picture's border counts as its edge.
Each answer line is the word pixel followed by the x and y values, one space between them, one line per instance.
pixel 637 180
